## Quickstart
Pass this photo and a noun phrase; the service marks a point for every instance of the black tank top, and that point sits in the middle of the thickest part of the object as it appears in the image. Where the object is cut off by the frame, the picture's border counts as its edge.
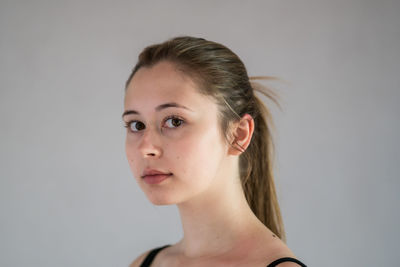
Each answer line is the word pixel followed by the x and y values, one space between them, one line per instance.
pixel 150 257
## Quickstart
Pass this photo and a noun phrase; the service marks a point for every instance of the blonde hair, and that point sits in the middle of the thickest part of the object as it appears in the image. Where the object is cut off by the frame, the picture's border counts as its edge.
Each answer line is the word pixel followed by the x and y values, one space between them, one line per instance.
pixel 221 74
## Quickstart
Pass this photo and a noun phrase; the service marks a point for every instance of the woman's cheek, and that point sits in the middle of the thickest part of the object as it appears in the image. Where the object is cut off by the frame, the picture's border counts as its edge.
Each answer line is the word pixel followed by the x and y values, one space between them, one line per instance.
pixel 132 155
pixel 200 148
pixel 184 151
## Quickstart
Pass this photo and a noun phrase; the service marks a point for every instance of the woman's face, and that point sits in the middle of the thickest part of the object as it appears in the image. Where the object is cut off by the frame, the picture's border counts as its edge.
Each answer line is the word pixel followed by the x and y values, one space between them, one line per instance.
pixel 174 130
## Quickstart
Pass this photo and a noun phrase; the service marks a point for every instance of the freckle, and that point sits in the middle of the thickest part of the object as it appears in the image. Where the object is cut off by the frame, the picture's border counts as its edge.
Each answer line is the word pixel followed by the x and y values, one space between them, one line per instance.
pixel 273 235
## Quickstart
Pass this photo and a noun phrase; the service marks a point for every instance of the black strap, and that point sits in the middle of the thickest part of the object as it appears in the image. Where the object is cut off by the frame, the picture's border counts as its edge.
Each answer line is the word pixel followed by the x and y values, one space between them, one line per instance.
pixel 286 259
pixel 150 257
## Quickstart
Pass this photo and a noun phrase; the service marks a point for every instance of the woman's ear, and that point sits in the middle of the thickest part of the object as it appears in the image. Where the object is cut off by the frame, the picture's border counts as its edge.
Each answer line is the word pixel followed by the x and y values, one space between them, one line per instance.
pixel 242 132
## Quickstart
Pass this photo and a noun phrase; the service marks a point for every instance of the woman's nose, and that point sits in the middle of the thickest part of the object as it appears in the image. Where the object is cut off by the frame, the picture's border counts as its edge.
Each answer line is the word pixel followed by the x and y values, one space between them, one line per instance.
pixel 150 145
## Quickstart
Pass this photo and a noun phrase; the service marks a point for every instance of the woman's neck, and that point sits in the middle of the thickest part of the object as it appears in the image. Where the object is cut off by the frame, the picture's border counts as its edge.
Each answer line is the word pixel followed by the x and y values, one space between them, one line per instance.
pixel 218 221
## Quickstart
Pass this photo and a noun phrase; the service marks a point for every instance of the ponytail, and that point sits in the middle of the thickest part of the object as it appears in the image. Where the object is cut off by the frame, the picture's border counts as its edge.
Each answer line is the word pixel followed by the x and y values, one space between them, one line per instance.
pixel 256 165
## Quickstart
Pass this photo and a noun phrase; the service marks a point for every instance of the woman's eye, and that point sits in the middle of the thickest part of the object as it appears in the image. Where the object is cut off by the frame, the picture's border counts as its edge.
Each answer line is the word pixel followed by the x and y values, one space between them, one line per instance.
pixel 173 122
pixel 136 126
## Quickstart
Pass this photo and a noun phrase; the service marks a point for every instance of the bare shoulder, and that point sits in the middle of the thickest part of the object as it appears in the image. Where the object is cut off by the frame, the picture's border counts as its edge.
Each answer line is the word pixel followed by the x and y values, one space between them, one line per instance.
pixel 277 249
pixel 287 264
pixel 139 259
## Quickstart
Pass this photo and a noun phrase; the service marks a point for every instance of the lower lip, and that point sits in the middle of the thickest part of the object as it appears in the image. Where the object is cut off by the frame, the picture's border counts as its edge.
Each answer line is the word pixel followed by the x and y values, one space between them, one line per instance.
pixel 156 179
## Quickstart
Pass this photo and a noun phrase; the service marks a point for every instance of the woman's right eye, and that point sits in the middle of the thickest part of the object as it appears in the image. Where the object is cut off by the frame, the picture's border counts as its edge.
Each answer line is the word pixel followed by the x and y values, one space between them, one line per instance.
pixel 136 126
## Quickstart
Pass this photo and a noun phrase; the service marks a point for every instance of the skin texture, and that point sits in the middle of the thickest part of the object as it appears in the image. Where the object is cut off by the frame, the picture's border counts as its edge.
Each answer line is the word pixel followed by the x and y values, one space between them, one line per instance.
pixel 219 227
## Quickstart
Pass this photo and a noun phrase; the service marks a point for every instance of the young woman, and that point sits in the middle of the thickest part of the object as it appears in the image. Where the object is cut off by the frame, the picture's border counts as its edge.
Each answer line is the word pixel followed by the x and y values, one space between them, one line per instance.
pixel 198 137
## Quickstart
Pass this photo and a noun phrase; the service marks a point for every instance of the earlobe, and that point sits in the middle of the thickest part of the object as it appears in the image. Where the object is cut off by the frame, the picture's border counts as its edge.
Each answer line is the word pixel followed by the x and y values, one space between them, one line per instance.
pixel 242 133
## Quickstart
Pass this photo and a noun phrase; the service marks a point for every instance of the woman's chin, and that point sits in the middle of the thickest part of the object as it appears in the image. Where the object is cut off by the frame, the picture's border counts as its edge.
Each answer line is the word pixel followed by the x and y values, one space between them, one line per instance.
pixel 161 201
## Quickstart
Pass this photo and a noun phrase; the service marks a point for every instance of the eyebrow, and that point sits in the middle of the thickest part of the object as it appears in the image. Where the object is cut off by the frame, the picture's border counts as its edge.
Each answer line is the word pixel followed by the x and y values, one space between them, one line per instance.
pixel 158 108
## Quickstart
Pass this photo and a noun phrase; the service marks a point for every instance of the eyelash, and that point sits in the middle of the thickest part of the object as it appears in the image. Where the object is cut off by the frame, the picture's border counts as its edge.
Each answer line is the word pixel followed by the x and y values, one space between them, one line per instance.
pixel 182 121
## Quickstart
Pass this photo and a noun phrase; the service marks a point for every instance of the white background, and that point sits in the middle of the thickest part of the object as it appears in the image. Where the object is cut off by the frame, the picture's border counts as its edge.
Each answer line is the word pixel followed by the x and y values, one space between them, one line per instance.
pixel 67 197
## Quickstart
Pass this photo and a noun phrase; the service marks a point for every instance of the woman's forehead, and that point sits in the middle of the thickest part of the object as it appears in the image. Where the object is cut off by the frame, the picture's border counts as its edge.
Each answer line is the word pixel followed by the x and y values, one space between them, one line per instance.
pixel 161 84
pixel 161 79
pixel 159 74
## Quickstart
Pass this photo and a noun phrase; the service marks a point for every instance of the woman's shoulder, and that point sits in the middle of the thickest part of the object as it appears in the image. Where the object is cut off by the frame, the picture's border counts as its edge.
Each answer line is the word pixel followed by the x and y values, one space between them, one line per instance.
pixel 138 261
pixel 271 258
pixel 148 256
pixel 287 264
pixel 273 251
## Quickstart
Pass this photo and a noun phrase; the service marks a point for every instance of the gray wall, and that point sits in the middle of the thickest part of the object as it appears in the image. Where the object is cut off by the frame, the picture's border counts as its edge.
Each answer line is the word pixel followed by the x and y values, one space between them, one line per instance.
pixel 67 197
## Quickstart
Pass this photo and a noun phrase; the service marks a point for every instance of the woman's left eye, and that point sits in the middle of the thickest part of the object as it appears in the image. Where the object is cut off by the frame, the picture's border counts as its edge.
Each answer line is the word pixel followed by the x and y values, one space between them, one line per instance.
pixel 173 122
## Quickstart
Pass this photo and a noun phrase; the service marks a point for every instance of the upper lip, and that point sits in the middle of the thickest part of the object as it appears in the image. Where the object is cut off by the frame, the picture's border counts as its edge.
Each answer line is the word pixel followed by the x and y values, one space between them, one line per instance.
pixel 153 172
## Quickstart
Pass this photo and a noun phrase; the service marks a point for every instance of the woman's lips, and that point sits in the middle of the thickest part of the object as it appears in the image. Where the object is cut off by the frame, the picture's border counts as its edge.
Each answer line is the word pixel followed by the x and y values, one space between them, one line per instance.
pixel 155 178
